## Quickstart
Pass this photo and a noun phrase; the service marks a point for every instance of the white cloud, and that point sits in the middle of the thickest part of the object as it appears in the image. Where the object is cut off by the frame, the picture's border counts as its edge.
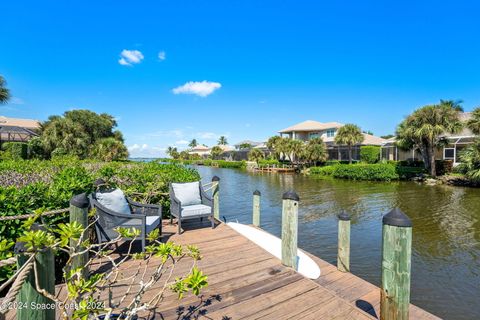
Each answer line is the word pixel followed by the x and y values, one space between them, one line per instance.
pixel 145 151
pixel 169 133
pixel 162 55
pixel 130 57
pixel 181 142
pixel 199 88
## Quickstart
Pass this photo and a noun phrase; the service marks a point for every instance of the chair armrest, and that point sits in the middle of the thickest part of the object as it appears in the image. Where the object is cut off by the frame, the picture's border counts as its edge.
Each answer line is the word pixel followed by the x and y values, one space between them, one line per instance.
pixel 206 199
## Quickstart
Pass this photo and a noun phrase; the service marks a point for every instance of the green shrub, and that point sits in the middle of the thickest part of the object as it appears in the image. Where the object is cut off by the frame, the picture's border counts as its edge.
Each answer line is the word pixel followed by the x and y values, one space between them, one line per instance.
pixel 15 150
pixel 443 167
pixel 27 186
pixel 229 164
pixel 370 154
pixel 323 171
pixel 410 172
pixel 379 172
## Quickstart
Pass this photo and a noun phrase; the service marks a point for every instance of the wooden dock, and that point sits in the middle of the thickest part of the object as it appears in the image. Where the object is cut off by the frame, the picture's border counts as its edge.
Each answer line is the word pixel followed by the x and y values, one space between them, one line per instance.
pixel 276 169
pixel 246 282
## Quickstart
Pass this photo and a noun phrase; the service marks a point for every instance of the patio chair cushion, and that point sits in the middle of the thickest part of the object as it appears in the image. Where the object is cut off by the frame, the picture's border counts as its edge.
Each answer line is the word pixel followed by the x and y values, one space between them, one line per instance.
pixel 114 200
pixel 196 210
pixel 187 193
pixel 152 222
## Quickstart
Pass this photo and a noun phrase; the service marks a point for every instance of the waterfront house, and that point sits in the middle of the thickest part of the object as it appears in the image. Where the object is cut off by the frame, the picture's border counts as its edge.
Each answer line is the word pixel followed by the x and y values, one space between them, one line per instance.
pixel 18 130
pixel 201 150
pixel 455 143
pixel 327 131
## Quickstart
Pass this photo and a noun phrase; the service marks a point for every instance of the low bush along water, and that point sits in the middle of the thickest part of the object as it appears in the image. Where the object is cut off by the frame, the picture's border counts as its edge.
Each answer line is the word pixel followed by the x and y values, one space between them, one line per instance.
pixel 363 171
pixel 28 186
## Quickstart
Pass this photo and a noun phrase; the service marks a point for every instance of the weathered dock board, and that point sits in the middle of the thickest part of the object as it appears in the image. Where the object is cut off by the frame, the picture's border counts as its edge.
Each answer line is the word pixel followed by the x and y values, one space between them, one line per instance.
pixel 246 282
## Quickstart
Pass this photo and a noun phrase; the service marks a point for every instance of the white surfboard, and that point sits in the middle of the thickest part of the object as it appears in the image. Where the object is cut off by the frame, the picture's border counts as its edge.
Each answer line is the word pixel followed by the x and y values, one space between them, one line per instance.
pixel 306 266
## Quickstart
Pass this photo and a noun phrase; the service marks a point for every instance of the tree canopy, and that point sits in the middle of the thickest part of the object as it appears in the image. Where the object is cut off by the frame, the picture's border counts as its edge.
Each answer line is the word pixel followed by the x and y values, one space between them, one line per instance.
pixel 83 133
pixel 474 122
pixel 193 143
pixel 222 140
pixel 426 127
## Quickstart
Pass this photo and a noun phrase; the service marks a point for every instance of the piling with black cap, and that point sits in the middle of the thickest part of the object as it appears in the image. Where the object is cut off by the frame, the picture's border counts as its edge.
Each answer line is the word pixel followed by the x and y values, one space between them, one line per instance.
pixel 290 229
pixel 79 214
pixel 343 256
pixel 256 208
pixel 396 265
pixel 31 303
pixel 216 198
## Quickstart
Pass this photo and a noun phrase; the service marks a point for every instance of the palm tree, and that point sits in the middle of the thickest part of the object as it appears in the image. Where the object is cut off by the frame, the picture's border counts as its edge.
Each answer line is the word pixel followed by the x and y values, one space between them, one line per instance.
pixel 215 152
pixel 474 122
pixel 273 144
pixel 296 148
pixel 65 134
pixel 4 92
pixel 315 151
pixel 425 128
pixel 222 141
pixel 349 135
pixel 109 149
pixel 172 152
pixel 255 155
pixel 193 143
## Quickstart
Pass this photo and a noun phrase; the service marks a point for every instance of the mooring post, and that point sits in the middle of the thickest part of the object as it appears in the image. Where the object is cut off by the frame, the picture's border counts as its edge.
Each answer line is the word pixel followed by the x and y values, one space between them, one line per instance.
pixel 79 214
pixel 216 199
pixel 343 257
pixel 32 304
pixel 290 229
pixel 396 262
pixel 256 208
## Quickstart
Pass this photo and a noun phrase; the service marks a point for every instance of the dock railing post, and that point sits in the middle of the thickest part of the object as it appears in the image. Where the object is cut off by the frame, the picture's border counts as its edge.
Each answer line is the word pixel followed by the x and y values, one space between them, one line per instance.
pixel 290 229
pixel 216 199
pixel 32 304
pixel 343 257
pixel 256 208
pixel 79 214
pixel 396 262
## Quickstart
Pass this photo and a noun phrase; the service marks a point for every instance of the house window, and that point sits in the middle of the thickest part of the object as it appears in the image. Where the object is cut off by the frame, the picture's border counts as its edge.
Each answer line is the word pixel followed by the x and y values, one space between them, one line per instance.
pixel 449 153
pixel 330 133
pixel 312 135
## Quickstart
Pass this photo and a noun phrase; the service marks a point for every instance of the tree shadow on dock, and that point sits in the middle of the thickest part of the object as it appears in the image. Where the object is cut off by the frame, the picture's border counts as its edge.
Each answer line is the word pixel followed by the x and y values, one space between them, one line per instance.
pixel 196 310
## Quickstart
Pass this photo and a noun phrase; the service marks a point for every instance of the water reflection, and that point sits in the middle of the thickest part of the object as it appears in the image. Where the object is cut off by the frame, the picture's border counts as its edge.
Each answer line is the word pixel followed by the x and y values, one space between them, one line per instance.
pixel 446 233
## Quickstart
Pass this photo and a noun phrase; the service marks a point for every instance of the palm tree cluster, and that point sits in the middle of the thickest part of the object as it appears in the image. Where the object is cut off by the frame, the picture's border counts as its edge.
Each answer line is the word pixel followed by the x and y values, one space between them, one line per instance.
pixel 425 129
pixel 297 151
pixel 470 157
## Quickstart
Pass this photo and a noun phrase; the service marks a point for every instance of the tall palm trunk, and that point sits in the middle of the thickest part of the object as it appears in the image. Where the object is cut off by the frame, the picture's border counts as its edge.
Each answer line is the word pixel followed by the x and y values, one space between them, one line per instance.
pixel 433 170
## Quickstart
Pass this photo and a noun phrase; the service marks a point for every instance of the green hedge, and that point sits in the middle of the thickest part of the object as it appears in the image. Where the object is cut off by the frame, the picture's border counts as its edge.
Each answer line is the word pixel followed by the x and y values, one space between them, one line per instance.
pixel 15 150
pixel 363 171
pixel 370 154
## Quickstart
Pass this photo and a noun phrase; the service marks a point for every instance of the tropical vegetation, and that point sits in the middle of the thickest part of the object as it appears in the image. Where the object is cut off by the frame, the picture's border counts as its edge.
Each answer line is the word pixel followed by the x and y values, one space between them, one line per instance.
pixel 349 135
pixel 4 92
pixel 297 151
pixel 255 155
pixel 222 141
pixel 425 128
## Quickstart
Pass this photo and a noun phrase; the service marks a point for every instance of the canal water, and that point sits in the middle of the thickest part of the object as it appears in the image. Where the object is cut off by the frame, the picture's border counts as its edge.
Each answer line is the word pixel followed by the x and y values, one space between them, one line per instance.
pixel 446 228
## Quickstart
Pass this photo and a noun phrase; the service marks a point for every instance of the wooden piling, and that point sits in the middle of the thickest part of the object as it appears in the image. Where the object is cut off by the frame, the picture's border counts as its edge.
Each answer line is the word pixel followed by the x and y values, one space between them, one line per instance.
pixel 343 256
pixel 30 303
pixel 290 229
pixel 216 199
pixel 256 208
pixel 79 214
pixel 396 262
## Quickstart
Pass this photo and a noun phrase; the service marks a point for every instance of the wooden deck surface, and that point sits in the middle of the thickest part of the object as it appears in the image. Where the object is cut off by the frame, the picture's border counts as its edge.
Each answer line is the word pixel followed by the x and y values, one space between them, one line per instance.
pixel 246 282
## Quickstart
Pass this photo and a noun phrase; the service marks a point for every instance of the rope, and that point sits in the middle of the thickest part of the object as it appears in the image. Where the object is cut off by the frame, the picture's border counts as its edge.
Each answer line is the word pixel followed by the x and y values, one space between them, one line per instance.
pixel 16 286
pixel 8 261
pixel 26 216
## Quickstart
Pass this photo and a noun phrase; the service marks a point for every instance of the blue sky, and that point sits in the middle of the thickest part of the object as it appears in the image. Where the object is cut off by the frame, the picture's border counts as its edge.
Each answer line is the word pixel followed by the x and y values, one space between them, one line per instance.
pixel 266 64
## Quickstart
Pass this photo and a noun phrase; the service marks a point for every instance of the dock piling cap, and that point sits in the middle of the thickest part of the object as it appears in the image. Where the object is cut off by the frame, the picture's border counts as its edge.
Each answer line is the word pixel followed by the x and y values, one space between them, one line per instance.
pixel 215 178
pixel 80 200
pixel 256 193
pixel 397 218
pixel 290 195
pixel 344 216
